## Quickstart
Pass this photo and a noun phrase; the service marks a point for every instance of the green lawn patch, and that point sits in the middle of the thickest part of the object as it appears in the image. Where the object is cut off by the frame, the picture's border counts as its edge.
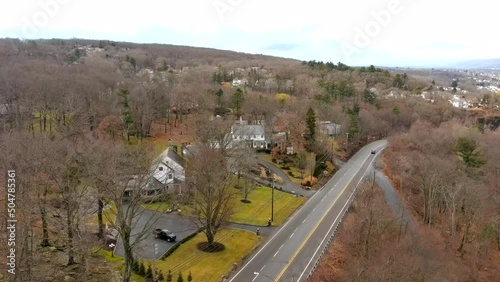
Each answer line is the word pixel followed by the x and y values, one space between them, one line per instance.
pixel 203 266
pixel 108 216
pixel 210 266
pixel 165 206
pixel 258 211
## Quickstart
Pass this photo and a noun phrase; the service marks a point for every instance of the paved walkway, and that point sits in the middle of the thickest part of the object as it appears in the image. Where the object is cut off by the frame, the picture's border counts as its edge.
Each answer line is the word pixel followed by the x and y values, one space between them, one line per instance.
pixel 392 198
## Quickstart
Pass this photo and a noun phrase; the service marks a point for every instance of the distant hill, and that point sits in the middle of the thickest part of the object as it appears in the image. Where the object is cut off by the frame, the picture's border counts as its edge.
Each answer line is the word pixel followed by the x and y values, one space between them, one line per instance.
pixel 478 64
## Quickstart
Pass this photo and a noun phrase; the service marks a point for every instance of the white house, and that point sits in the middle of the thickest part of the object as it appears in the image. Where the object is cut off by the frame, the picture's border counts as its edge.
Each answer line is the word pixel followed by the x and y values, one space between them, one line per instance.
pixel 170 173
pixel 249 135
pixel 239 82
pixel 168 176
pixel 458 102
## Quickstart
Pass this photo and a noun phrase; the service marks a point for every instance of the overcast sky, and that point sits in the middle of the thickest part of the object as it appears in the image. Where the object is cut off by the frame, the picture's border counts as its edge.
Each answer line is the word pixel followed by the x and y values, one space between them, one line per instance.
pixel 356 32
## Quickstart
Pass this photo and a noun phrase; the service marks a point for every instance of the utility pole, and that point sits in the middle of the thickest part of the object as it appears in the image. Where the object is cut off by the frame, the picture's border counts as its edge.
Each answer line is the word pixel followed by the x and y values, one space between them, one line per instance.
pixel 333 158
pixel 154 263
pixel 272 199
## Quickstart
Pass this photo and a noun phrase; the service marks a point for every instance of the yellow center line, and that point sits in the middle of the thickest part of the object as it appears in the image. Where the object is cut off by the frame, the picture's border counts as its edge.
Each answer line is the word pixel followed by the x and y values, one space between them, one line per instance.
pixel 312 232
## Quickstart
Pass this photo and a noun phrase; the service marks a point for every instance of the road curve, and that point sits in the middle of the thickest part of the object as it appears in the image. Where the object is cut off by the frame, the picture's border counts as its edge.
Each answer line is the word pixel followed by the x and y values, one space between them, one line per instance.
pixel 292 252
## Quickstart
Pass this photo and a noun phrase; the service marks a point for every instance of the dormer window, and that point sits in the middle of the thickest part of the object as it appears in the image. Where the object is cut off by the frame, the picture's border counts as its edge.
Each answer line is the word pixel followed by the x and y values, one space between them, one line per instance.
pixel 161 168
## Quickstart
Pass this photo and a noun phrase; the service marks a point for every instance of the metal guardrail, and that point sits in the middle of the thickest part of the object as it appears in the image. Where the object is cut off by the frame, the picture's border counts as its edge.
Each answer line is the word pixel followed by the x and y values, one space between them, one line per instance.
pixel 332 235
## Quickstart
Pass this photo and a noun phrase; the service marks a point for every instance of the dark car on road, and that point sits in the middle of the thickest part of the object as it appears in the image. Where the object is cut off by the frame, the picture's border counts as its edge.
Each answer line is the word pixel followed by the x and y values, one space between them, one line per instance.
pixel 165 234
pixel 374 152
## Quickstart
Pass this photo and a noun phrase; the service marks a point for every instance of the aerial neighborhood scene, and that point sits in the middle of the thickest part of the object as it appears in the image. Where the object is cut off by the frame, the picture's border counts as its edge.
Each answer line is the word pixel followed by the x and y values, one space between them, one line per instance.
pixel 249 141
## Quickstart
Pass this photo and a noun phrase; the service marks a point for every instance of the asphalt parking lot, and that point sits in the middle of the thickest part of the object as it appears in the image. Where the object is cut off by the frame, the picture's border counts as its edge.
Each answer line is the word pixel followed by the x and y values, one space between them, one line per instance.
pixel 182 226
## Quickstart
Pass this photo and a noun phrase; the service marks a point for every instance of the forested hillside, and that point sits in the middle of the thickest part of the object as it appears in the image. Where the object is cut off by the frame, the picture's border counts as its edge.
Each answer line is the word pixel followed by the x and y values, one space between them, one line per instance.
pixel 76 115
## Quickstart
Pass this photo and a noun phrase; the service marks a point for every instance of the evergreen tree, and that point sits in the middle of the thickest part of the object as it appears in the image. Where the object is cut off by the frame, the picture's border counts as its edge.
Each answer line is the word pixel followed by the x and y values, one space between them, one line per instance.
pixel 142 269
pixel 311 126
pixel 468 151
pixel 160 276
pixel 169 276
pixel 190 277
pixel 149 272
pixel 238 100
pixel 179 278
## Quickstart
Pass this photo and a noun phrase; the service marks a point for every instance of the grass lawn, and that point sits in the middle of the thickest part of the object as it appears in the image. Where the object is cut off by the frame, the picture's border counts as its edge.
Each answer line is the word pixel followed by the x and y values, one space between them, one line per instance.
pixel 259 210
pixel 210 266
pixel 108 216
pixel 119 263
pixel 164 206
pixel 203 266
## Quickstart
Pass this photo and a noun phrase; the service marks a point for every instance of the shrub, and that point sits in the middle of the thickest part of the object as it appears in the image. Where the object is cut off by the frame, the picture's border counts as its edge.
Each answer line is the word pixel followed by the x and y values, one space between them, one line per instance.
pixel 291 174
pixel 190 277
pixel 136 266
pixel 179 278
pixel 285 167
pixel 169 276
pixel 142 269
pixel 160 276
pixel 149 272
pixel 273 160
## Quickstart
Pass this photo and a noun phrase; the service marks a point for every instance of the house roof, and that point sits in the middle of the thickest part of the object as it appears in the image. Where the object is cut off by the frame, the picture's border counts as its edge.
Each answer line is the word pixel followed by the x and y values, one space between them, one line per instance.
pixel 253 129
pixel 171 154
pixel 332 128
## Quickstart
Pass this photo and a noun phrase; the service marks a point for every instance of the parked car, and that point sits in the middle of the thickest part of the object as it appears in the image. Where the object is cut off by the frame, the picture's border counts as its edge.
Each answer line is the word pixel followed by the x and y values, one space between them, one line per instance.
pixel 374 152
pixel 165 234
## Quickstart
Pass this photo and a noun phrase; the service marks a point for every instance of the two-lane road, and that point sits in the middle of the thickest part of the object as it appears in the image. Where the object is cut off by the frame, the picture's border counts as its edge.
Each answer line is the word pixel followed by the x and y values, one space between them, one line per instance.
pixel 292 252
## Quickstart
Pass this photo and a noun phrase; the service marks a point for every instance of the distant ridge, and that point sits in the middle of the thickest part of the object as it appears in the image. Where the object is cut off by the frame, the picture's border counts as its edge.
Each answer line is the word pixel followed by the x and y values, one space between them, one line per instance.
pixel 478 64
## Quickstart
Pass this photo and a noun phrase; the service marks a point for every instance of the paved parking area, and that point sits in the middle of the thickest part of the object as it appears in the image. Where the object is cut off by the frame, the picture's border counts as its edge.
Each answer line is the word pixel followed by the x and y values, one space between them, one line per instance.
pixel 182 226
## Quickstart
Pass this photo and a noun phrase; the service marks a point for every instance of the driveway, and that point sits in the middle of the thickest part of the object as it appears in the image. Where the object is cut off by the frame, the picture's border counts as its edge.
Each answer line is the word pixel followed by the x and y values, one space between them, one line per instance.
pixel 288 185
pixel 147 221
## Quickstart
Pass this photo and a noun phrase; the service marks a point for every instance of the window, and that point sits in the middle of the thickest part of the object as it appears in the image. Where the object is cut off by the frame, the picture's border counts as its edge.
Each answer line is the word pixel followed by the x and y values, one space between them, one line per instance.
pixel 161 168
pixel 170 176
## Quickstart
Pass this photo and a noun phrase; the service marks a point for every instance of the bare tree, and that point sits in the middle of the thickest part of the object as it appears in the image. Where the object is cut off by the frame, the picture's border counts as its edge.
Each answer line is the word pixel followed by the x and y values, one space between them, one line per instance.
pixel 210 183
pixel 125 182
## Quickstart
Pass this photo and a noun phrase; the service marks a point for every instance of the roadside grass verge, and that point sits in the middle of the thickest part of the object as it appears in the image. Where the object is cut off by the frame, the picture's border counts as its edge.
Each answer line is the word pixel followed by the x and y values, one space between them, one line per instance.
pixel 258 211
pixel 210 266
pixel 203 266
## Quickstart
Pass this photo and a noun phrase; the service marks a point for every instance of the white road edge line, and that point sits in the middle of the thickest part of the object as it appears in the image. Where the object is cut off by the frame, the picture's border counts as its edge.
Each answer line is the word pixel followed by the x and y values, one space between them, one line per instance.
pixel 331 227
pixel 276 252
pixel 282 228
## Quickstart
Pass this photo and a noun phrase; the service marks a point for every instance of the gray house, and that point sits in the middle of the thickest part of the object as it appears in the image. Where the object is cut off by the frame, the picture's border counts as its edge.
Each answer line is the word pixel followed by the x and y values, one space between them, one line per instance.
pixel 329 128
